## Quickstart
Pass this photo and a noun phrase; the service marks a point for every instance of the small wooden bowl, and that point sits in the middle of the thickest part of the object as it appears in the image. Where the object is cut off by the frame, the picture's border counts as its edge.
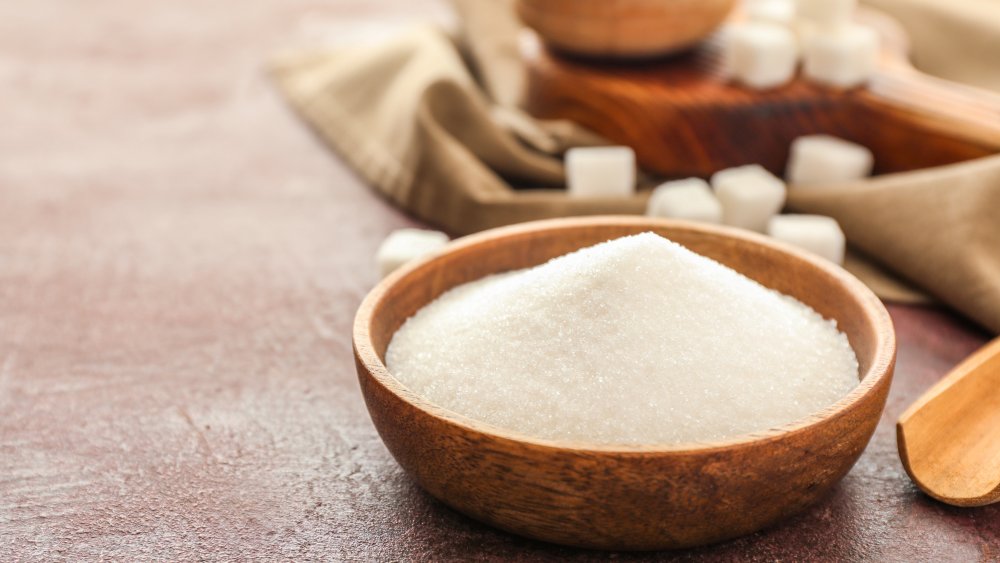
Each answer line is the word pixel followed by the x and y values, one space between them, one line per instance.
pixel 623 28
pixel 645 497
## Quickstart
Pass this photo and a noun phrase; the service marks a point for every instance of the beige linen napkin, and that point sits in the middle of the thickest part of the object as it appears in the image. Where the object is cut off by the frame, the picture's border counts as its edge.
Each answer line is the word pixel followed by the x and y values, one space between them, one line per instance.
pixel 954 39
pixel 939 227
pixel 431 122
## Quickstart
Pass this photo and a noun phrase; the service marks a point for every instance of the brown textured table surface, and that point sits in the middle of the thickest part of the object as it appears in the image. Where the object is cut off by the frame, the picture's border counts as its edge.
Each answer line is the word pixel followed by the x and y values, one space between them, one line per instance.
pixel 180 261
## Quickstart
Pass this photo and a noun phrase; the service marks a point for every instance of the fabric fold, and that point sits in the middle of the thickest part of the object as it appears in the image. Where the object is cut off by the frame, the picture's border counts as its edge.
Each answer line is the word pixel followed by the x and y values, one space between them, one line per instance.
pixel 939 228
pixel 428 140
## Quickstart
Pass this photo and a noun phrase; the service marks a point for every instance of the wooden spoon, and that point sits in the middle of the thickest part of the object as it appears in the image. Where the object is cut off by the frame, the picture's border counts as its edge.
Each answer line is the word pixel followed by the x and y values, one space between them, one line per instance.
pixel 949 440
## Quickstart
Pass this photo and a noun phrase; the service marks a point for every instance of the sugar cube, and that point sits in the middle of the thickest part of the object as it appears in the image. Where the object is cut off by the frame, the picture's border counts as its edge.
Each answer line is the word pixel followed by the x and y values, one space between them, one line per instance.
pixel 826 13
pixel 600 172
pixel 823 159
pixel 815 233
pixel 774 11
pixel 403 245
pixel 804 30
pixel 685 199
pixel 843 57
pixel 750 196
pixel 760 54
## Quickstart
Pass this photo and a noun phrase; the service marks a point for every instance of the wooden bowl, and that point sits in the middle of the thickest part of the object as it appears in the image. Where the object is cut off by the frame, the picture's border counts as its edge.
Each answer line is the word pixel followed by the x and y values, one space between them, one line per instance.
pixel 623 28
pixel 655 496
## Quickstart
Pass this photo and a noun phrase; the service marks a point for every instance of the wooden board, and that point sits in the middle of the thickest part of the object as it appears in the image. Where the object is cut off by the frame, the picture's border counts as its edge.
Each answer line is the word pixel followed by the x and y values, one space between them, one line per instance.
pixel 684 118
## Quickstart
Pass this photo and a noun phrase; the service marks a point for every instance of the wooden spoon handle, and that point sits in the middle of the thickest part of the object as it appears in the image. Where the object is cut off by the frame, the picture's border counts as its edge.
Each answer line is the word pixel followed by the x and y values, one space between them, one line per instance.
pixel 963 113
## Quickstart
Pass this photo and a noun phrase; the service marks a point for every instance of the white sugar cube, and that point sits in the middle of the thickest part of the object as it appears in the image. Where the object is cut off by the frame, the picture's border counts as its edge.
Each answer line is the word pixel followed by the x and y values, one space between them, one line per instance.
pixel 844 57
pixel 403 245
pixel 826 13
pixel 804 30
pixel 761 55
pixel 750 196
pixel 600 172
pixel 823 159
pixel 685 199
pixel 815 233
pixel 774 11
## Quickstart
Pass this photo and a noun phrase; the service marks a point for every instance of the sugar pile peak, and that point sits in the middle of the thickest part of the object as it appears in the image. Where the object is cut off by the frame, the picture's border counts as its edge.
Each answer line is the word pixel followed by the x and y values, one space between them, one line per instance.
pixel 633 341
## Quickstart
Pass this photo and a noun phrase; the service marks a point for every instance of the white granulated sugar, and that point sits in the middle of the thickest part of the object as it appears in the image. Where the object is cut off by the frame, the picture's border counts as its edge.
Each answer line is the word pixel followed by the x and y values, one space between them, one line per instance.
pixel 634 341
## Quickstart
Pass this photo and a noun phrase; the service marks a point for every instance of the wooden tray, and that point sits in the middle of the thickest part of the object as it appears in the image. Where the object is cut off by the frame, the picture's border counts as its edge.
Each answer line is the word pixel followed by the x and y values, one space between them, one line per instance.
pixel 683 118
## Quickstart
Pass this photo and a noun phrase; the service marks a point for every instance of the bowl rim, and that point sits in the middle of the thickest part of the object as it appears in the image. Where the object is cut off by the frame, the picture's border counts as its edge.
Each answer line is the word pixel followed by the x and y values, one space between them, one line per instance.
pixel 883 355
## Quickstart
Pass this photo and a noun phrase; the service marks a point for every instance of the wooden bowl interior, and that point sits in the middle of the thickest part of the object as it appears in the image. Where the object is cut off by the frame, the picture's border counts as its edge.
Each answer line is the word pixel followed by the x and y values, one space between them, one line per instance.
pixel 781 268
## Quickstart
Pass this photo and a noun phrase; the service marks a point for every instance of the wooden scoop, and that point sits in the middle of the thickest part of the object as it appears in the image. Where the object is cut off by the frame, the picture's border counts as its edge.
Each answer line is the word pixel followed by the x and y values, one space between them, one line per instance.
pixel 949 440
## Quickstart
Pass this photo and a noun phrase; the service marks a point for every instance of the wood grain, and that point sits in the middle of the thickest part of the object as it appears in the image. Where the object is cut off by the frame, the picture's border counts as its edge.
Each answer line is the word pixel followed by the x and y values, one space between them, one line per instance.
pixel 949 439
pixel 180 265
pixel 684 118
pixel 649 497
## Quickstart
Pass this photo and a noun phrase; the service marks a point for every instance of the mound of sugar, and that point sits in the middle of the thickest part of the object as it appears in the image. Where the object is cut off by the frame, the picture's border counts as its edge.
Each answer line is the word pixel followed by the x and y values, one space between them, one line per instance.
pixel 633 341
